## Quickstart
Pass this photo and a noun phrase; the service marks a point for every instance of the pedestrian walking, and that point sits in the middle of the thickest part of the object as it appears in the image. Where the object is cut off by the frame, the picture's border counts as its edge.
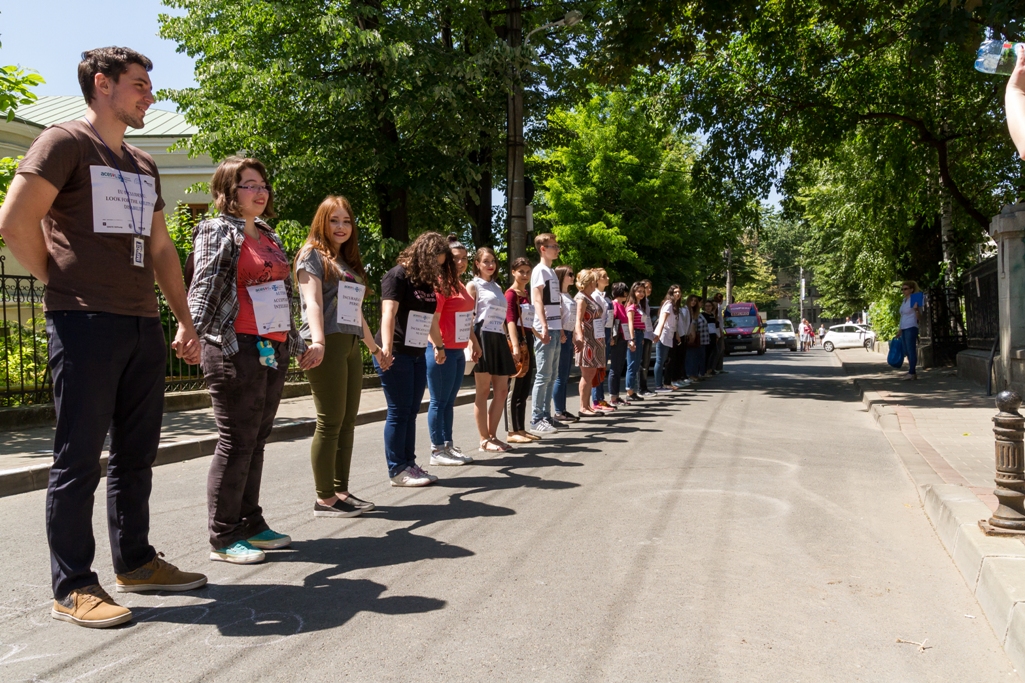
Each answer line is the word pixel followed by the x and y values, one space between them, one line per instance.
pixel 409 320
pixel 665 336
pixel 622 342
pixel 598 401
pixel 545 296
pixel 805 332
pixel 495 364
pixel 634 331
pixel 588 323
pixel 519 321
pixel 455 320
pixel 910 318
pixel 332 286
pixel 241 303
pixel 568 306
pixel 99 258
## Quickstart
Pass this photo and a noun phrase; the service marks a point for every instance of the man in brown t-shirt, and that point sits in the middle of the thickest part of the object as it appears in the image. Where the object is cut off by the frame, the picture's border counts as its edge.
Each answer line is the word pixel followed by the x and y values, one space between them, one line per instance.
pixel 84 215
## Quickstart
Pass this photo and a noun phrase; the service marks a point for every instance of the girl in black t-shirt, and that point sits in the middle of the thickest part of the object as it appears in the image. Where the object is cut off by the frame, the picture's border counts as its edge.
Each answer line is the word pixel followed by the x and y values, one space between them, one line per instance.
pixel 408 319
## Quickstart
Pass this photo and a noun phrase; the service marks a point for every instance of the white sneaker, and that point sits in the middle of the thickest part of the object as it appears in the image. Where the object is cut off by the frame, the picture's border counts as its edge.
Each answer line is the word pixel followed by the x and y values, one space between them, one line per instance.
pixel 542 427
pixel 457 452
pixel 410 477
pixel 425 473
pixel 443 458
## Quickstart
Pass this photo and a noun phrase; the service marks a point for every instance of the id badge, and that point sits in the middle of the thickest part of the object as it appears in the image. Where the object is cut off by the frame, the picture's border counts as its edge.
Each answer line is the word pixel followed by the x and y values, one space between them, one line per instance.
pixel 138 252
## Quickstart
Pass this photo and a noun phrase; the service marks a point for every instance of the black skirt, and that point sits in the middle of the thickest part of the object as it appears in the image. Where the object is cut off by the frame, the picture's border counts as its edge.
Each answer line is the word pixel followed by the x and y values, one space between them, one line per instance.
pixel 496 358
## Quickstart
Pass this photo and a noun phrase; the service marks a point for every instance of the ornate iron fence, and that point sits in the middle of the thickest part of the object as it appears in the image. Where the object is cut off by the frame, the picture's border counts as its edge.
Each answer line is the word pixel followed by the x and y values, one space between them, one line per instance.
pixel 945 334
pixel 981 309
pixel 25 373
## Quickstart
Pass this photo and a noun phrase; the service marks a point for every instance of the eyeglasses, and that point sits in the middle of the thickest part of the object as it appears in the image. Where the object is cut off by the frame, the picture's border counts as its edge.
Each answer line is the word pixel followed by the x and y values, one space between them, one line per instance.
pixel 549 246
pixel 255 188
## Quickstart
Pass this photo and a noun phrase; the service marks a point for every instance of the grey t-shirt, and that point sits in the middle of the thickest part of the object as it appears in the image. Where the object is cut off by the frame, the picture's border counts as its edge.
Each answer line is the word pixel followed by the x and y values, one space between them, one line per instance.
pixel 313 263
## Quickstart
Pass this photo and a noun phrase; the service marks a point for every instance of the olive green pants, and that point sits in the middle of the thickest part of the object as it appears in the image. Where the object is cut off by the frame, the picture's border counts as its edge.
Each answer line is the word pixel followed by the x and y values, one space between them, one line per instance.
pixel 336 384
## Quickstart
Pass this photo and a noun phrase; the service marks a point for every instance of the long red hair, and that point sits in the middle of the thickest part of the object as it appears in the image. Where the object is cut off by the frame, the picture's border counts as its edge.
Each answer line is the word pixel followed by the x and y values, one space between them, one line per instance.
pixel 319 239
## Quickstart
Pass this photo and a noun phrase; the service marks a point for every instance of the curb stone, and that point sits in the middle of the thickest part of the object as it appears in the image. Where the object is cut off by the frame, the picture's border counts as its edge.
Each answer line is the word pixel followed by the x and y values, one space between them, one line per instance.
pixel 35 477
pixel 992 567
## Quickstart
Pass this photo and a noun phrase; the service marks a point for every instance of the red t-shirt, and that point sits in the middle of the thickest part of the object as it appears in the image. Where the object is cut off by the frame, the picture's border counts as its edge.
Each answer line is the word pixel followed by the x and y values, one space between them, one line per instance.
pixel 459 302
pixel 258 262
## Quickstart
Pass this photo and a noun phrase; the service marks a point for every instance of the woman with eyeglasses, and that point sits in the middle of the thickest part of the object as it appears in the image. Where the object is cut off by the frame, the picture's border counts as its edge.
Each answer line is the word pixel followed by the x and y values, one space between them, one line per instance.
pixel 910 317
pixel 241 302
pixel 568 307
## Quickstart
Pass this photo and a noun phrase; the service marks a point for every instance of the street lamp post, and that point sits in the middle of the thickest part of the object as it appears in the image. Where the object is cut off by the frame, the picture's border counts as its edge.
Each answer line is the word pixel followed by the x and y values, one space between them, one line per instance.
pixel 516 205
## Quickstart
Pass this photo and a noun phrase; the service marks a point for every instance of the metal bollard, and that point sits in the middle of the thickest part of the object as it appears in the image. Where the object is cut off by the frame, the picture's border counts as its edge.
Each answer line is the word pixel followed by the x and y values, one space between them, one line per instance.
pixel 1009 429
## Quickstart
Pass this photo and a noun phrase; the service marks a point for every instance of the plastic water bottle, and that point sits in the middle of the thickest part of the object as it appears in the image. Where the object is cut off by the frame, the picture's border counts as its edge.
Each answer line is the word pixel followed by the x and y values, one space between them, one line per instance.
pixel 997 56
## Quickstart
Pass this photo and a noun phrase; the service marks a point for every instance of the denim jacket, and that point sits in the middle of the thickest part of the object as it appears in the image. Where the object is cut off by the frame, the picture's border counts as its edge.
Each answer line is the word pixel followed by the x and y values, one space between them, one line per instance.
pixel 213 294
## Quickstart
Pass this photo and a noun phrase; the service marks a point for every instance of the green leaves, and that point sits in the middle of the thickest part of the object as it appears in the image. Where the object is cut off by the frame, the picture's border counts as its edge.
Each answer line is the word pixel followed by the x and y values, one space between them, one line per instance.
pixel 15 89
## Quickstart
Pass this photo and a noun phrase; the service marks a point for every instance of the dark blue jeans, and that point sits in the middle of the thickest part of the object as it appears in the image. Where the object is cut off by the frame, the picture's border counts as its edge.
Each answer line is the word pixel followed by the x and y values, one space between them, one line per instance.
pixel 108 373
pixel 444 382
pixel 404 384
pixel 695 361
pixel 909 338
pixel 661 354
pixel 562 378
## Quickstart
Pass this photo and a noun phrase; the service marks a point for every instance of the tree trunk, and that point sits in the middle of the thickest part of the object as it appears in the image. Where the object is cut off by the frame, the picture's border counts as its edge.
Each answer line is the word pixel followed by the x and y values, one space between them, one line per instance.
pixel 947 239
pixel 480 210
pixel 394 211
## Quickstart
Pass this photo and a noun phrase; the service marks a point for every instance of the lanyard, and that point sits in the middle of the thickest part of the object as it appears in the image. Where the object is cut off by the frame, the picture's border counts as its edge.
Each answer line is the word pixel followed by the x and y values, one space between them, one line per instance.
pixel 138 230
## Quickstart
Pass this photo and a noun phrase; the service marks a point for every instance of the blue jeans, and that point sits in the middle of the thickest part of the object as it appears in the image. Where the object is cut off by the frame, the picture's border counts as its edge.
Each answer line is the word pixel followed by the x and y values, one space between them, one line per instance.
pixel 547 356
pixel 598 392
pixel 661 354
pixel 633 362
pixel 403 384
pixel 562 377
pixel 909 338
pixel 444 382
pixel 695 361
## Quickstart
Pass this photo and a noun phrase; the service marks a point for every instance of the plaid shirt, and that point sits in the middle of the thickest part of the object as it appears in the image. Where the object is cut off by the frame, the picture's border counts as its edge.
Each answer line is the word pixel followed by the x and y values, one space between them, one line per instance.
pixel 703 336
pixel 213 294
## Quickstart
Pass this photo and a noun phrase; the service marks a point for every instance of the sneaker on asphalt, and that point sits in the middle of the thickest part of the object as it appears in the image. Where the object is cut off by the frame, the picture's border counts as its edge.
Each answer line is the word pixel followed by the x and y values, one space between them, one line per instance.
pixel 410 476
pixel 663 390
pixel 681 383
pixel 458 454
pixel 425 473
pixel 158 575
pixel 340 508
pixel 270 540
pixel 90 607
pixel 647 394
pixel 359 503
pixel 555 423
pixel 604 405
pixel 443 458
pixel 240 552
pixel 634 397
pixel 542 427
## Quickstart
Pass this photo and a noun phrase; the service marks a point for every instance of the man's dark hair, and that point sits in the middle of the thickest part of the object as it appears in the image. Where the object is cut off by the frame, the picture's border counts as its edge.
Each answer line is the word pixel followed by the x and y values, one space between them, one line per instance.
pixel 619 289
pixel 109 61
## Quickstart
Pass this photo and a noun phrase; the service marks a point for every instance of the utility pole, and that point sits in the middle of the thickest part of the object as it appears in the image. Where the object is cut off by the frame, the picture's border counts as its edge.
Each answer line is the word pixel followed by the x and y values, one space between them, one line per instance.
pixel 516 207
pixel 802 296
pixel 729 276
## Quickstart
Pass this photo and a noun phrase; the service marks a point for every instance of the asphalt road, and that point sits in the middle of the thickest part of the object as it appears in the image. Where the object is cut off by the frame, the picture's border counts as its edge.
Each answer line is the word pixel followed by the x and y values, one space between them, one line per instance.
pixel 760 529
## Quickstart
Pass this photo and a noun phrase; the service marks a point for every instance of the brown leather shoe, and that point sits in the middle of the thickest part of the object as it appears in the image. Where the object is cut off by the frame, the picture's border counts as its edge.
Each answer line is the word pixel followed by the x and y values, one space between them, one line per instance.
pixel 158 575
pixel 90 607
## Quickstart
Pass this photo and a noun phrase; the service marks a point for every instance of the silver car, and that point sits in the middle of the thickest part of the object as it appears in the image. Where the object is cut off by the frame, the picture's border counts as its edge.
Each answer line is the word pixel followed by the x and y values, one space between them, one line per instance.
pixel 780 334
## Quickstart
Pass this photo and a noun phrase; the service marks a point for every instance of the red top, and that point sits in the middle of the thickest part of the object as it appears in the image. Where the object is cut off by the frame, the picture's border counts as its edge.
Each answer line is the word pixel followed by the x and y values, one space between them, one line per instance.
pixel 512 311
pixel 258 262
pixel 635 310
pixel 459 302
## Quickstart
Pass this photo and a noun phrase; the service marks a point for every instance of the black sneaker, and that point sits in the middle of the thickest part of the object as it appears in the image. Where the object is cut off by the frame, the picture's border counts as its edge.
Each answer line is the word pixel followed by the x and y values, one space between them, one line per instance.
pixel 340 508
pixel 359 503
pixel 635 397
pixel 566 417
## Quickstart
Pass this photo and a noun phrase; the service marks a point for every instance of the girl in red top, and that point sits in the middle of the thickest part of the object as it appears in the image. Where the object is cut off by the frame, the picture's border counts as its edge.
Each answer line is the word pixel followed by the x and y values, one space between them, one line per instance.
pixel 521 338
pixel 621 342
pixel 455 311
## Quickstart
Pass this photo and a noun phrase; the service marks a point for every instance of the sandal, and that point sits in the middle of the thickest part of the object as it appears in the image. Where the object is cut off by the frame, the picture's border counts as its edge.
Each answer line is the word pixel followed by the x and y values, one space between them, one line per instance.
pixel 586 412
pixel 501 444
pixel 489 446
pixel 519 438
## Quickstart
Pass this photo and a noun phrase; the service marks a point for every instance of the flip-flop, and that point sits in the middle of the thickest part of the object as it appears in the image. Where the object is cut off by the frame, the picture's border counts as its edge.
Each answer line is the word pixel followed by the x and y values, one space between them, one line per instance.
pixel 584 412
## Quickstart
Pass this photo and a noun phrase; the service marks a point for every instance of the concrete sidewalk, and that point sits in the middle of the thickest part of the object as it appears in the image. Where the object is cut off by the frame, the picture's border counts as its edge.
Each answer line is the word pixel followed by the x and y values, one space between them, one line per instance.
pixel 26 454
pixel 941 428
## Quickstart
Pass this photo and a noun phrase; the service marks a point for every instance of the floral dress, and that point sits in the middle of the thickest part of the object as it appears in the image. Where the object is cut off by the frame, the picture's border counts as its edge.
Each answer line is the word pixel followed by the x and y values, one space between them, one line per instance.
pixel 593 353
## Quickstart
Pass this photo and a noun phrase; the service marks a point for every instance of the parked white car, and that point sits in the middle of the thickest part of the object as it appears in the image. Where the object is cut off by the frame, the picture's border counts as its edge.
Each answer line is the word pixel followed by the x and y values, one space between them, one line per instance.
pixel 848 336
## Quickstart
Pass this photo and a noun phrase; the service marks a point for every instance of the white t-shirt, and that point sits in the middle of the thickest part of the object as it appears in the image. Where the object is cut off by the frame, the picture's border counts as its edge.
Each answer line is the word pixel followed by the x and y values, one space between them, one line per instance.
pixel 683 323
pixel 543 276
pixel 908 319
pixel 569 312
pixel 668 332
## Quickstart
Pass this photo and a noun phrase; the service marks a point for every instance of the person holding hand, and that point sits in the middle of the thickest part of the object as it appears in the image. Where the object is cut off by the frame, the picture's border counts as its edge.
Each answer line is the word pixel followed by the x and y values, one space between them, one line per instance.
pixel 332 286
pixel 588 338
pixel 910 319
pixel 409 319
pixel 241 303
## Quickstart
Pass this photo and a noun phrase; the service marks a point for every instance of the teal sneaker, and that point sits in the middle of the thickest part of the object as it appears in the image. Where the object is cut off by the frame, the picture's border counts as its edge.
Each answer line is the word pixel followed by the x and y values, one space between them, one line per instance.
pixel 270 540
pixel 238 553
